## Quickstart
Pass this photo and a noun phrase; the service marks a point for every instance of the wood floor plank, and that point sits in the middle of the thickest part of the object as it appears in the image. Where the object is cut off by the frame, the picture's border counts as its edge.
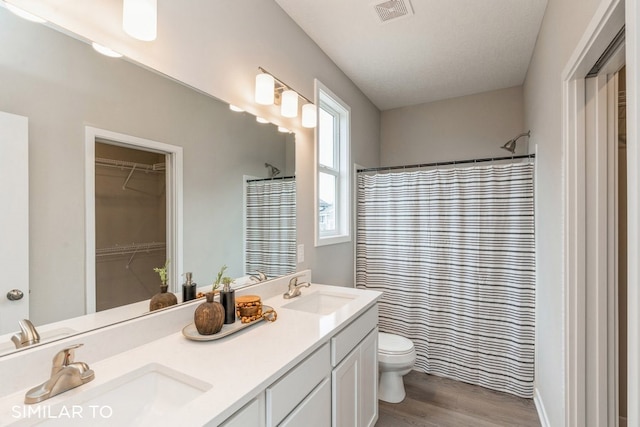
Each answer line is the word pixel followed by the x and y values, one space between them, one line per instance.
pixel 433 401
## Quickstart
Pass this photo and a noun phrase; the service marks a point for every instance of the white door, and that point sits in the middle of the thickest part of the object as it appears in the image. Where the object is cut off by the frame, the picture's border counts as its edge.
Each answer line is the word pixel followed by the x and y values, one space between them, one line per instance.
pixel 14 221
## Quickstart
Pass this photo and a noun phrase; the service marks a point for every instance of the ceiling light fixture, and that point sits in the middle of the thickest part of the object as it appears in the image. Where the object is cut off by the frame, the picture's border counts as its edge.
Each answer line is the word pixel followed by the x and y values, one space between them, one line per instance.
pixel 105 50
pixel 24 14
pixel 271 90
pixel 140 19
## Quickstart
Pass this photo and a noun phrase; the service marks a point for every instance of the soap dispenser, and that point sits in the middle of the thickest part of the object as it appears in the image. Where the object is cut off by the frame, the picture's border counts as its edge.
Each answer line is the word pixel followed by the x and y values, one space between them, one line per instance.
pixel 188 289
pixel 228 301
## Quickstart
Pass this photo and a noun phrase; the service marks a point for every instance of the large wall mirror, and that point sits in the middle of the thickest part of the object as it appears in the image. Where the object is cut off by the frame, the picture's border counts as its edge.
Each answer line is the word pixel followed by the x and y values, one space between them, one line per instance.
pixel 63 87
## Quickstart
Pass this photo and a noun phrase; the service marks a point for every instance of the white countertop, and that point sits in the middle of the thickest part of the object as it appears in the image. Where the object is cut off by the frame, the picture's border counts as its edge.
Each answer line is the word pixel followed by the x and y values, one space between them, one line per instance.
pixel 236 367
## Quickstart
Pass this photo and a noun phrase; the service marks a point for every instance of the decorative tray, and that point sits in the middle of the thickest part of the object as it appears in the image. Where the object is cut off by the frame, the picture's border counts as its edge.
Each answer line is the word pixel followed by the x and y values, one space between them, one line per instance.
pixel 190 331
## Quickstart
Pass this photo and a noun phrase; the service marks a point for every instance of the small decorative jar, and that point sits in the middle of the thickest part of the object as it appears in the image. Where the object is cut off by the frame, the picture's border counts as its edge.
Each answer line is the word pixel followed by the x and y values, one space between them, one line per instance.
pixel 162 299
pixel 209 316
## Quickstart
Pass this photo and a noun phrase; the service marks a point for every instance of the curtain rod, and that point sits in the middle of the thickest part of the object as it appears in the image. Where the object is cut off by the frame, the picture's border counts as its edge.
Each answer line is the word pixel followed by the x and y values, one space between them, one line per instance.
pixel 451 162
pixel 271 179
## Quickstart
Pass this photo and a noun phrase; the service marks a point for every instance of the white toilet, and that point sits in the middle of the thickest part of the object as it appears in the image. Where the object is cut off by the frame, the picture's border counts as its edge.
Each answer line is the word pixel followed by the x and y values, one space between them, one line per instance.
pixel 396 356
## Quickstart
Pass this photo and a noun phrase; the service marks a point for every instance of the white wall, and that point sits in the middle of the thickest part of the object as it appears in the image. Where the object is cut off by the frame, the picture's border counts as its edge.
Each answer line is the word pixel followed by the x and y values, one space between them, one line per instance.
pixel 563 25
pixel 461 128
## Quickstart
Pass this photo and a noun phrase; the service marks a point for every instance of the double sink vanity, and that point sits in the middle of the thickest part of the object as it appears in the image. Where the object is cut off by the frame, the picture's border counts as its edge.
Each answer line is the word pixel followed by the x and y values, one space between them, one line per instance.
pixel 317 362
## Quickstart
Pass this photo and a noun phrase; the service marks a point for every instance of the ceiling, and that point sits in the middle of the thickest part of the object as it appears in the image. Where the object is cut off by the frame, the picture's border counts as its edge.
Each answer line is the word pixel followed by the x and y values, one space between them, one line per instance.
pixel 445 49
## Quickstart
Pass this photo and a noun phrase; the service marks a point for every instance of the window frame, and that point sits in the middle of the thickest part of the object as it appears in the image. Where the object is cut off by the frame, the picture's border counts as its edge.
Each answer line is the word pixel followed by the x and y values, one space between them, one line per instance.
pixel 328 101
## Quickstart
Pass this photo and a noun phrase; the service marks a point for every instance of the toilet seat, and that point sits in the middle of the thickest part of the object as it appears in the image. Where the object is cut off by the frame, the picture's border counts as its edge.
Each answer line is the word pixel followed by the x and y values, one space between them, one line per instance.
pixel 390 344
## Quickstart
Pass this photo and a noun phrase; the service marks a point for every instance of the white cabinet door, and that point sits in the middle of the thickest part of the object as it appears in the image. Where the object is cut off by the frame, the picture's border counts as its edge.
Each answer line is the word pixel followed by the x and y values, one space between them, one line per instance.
pixel 252 414
pixel 14 219
pixel 368 380
pixel 315 410
pixel 344 379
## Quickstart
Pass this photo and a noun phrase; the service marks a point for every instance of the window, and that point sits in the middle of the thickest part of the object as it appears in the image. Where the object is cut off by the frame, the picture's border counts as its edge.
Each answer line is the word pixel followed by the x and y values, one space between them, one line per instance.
pixel 332 169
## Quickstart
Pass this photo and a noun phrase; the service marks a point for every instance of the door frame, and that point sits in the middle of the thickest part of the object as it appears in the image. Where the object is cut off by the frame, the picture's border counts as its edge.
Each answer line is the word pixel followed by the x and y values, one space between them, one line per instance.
pixel 608 19
pixel 14 218
pixel 174 169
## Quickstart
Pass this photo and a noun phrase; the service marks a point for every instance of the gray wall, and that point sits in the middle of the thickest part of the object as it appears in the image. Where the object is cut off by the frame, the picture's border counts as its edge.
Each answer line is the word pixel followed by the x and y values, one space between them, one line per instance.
pixel 563 25
pixel 461 128
pixel 62 85
pixel 221 58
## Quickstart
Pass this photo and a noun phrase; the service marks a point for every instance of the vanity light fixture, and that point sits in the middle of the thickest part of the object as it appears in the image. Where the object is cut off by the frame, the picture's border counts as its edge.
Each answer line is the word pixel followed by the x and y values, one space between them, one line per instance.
pixel 271 90
pixel 265 86
pixel 24 14
pixel 261 120
pixel 235 108
pixel 140 19
pixel 105 50
pixel 309 116
pixel 289 105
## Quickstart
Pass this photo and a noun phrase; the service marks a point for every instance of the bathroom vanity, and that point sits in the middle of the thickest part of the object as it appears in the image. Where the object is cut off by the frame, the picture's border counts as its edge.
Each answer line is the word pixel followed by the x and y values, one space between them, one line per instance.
pixel 317 362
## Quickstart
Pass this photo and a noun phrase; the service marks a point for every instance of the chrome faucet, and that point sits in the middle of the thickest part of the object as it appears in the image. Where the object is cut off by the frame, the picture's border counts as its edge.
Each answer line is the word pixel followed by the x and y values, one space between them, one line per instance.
pixel 65 375
pixel 294 288
pixel 258 277
pixel 27 335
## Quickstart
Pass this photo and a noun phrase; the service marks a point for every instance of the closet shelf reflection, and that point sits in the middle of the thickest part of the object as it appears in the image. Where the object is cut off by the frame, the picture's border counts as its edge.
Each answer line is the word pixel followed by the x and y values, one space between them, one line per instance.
pixel 131 249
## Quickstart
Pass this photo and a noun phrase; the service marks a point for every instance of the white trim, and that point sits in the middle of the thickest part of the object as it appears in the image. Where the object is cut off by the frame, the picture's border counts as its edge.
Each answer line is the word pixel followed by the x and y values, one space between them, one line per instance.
pixel 542 413
pixel 607 21
pixel 175 236
pixel 345 210
pixel 633 212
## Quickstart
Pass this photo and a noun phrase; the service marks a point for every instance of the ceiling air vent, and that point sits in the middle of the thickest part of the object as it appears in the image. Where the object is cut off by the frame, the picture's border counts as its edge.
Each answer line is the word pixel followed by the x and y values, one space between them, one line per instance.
pixel 393 9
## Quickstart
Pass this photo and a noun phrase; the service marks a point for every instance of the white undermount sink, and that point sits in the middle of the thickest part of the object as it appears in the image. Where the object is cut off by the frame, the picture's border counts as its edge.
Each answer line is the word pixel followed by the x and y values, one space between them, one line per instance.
pixel 138 398
pixel 320 302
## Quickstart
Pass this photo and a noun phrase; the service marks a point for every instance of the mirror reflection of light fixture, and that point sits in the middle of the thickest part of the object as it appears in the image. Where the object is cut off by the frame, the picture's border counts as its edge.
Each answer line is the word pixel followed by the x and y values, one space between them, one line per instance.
pixel 261 120
pixel 283 129
pixel 309 116
pixel 24 14
pixel 289 106
pixel 269 90
pixel 235 108
pixel 511 144
pixel 105 50
pixel 140 19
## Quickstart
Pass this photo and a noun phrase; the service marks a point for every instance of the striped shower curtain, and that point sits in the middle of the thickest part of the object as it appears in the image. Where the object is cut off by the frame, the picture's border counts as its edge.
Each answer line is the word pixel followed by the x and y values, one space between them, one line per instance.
pixel 270 228
pixel 453 252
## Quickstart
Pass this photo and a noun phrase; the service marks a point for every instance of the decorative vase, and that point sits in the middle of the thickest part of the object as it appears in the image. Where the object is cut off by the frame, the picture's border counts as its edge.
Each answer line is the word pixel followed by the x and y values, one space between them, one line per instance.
pixel 209 316
pixel 162 299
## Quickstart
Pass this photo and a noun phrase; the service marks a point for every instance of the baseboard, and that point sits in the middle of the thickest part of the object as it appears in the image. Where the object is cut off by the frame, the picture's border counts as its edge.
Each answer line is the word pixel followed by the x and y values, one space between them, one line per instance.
pixel 542 414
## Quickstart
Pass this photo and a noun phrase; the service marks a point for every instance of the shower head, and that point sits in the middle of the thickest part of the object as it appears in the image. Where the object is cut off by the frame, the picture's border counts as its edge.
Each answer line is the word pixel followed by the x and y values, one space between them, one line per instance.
pixel 511 144
pixel 273 171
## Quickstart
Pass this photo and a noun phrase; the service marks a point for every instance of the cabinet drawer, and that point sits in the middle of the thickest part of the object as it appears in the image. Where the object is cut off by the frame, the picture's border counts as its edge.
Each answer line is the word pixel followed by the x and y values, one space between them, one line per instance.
pixel 347 339
pixel 295 385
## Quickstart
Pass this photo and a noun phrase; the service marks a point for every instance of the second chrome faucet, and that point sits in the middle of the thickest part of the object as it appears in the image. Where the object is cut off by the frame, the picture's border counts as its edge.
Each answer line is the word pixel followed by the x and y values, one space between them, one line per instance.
pixel 294 288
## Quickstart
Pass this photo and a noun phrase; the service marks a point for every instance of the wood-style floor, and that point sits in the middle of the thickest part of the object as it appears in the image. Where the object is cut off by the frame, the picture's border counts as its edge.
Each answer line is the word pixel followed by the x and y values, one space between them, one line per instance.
pixel 435 401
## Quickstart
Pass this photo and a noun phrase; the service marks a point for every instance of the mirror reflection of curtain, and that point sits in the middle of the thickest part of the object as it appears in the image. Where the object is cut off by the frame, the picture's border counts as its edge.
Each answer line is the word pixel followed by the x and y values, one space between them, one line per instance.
pixel 271 226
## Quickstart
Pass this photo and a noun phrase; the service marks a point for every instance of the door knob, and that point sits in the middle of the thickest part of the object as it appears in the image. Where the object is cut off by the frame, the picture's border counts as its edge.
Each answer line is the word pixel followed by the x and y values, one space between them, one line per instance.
pixel 14 295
